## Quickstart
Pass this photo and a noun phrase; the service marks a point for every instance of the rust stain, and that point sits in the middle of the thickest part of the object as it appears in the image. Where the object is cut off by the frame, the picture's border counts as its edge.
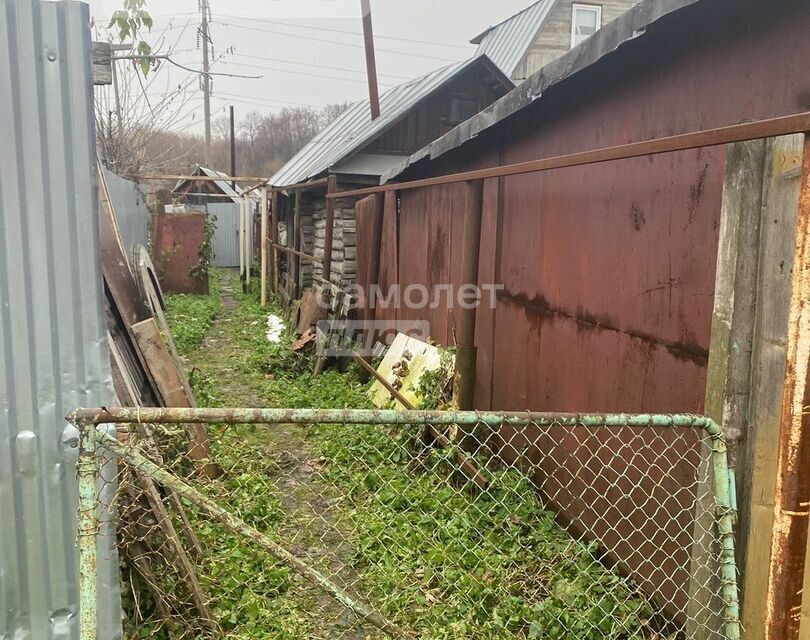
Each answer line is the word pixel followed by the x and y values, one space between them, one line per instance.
pixel 791 518
pixel 637 218
pixel 696 193
pixel 590 322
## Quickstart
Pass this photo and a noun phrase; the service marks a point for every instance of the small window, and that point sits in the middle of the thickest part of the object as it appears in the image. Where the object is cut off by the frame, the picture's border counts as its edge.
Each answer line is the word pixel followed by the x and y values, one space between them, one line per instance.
pixel 586 20
pixel 461 109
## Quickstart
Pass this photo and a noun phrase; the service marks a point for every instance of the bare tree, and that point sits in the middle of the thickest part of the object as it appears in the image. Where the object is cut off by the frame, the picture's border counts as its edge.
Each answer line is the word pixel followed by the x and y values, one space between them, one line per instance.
pixel 222 128
pixel 331 111
pixel 250 126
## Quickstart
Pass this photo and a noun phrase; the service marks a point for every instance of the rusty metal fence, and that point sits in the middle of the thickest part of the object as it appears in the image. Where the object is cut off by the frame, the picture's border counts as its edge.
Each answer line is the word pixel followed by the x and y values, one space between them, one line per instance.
pixel 357 524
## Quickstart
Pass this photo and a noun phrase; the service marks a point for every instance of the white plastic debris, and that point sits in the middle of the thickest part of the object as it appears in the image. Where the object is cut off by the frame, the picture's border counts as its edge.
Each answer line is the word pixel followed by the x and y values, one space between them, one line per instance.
pixel 275 327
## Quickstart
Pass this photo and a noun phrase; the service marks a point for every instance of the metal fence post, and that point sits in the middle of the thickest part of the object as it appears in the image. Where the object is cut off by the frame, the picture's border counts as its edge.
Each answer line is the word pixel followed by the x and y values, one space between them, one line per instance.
pixel 87 528
pixel 725 530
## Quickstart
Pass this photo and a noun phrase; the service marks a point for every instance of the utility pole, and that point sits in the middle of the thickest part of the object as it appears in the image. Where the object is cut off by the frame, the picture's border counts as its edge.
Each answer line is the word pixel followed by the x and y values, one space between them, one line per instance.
pixel 233 149
pixel 371 62
pixel 206 81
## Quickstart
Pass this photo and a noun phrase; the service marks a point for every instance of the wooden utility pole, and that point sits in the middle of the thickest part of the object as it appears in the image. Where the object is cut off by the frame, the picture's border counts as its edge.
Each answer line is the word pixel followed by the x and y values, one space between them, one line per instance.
pixel 206 78
pixel 371 61
pixel 233 149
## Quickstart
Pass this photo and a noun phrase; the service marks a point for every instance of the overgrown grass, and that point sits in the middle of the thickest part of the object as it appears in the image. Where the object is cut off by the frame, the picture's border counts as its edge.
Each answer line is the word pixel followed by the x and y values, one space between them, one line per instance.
pixel 442 561
pixel 190 316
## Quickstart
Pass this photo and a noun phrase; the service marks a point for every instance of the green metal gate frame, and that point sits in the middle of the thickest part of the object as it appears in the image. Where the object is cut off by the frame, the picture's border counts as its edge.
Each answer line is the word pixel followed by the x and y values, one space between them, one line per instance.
pixel 88 420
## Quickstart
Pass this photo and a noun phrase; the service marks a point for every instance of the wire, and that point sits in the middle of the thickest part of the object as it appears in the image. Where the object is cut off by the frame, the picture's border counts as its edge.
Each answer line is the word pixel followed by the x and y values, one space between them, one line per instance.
pixel 300 73
pixel 314 28
pixel 353 33
pixel 344 44
pixel 317 66
pixel 270 100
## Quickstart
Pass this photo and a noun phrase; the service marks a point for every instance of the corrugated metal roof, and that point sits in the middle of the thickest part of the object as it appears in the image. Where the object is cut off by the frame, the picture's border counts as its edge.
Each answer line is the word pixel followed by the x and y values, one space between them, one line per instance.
pixel 354 128
pixel 223 185
pixel 53 346
pixel 634 23
pixel 506 43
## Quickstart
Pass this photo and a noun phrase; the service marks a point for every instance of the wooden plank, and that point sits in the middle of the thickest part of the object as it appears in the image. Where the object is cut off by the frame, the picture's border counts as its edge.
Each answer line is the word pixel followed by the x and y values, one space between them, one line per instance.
pixel 102 63
pixel 769 356
pixel 171 389
pixel 264 248
pixel 792 499
pixel 274 256
pixel 296 245
pixel 804 633
pixel 729 371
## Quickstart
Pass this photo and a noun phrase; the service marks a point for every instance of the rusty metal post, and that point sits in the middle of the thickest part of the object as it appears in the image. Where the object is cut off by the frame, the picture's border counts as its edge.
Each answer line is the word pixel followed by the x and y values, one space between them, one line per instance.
pixel 464 385
pixel 296 245
pixel 264 247
pixel 792 498
pixel 371 62
pixel 87 528
pixel 330 230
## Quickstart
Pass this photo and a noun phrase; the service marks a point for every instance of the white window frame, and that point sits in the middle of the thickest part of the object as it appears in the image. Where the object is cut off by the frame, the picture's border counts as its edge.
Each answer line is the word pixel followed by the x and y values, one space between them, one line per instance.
pixel 596 8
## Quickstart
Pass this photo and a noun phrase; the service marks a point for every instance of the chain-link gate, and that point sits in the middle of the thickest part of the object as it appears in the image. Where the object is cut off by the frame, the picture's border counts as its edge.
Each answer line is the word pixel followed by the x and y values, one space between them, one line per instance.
pixel 356 524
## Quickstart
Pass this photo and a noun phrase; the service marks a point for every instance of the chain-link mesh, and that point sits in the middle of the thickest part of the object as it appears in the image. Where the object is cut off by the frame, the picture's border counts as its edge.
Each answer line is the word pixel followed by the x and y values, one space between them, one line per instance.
pixel 454 531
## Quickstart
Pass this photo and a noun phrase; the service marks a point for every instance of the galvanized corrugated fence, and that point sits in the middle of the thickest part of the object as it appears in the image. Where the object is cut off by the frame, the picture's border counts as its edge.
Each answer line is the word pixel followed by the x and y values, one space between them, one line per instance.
pixel 53 351
pixel 131 212
pixel 226 236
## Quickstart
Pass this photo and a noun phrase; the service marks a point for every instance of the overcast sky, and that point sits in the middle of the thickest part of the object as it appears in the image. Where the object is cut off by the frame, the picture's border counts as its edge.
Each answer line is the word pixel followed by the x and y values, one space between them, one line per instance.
pixel 301 47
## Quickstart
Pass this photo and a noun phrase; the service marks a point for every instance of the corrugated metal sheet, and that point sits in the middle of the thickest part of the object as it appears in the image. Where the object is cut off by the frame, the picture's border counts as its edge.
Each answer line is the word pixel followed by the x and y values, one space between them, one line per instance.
pixel 507 42
pixel 632 25
pixel 354 128
pixel 226 237
pixel 53 354
pixel 131 213
pixel 223 185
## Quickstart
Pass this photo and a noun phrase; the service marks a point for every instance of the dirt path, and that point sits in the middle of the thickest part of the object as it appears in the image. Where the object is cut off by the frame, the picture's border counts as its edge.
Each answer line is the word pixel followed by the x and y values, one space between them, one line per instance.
pixel 315 527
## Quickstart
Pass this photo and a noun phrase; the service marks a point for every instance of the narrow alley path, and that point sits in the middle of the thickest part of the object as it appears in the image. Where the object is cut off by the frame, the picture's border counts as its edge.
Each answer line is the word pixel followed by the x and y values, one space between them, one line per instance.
pixel 312 524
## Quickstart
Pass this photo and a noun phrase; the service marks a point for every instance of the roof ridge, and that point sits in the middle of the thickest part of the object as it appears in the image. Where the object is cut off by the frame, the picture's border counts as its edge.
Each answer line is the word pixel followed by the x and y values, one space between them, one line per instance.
pixel 477 39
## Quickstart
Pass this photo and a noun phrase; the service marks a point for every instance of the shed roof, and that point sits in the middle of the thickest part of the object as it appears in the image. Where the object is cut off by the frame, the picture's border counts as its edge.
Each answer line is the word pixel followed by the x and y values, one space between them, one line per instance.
pixel 634 23
pixel 223 185
pixel 354 129
pixel 506 43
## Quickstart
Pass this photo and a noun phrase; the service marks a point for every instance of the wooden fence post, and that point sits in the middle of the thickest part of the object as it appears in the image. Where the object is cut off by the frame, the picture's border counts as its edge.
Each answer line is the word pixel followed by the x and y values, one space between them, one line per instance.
pixel 749 356
pixel 296 245
pixel 274 255
pixel 464 385
pixel 264 247
pixel 792 496
pixel 329 231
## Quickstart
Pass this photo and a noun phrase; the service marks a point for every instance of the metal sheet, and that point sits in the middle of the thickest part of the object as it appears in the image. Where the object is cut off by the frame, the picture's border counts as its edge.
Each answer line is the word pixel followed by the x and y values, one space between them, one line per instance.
pixel 636 23
pixel 226 236
pixel 507 42
pixel 53 353
pixel 354 128
pixel 129 203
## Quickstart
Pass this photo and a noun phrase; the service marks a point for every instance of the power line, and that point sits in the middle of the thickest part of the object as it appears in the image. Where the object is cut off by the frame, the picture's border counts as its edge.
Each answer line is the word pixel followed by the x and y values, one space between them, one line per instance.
pixel 316 66
pixel 296 73
pixel 353 33
pixel 343 44
pixel 314 28
pixel 271 100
